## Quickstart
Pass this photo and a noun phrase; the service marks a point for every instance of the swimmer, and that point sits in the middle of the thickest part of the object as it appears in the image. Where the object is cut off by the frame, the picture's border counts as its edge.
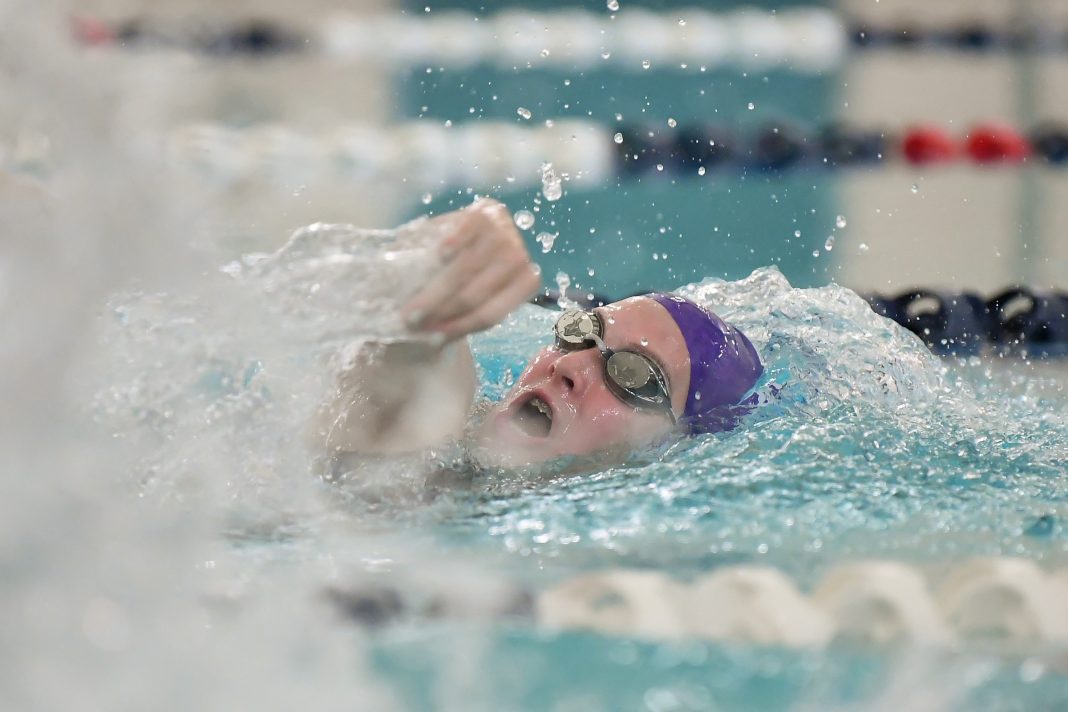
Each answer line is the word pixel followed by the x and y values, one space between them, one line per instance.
pixel 615 379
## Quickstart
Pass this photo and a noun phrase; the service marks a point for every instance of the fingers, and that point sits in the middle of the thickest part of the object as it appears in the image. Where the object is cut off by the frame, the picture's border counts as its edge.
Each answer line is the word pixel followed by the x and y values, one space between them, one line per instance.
pixel 484 255
pixel 494 277
pixel 437 300
pixel 491 311
pixel 477 217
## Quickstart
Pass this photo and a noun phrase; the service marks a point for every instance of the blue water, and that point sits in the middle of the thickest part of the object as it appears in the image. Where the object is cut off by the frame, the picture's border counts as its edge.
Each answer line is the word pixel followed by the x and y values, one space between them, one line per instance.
pixel 520 670
pixel 869 447
pixel 865 446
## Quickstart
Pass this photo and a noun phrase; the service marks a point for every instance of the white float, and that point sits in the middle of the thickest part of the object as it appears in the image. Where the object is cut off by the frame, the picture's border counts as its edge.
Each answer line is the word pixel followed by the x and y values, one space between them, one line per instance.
pixel 880 603
pixel 644 604
pixel 1004 599
pixel 756 605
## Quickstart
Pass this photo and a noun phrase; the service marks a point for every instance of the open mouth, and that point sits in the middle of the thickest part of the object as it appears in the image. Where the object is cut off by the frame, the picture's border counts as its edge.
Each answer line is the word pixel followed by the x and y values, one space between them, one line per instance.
pixel 535 418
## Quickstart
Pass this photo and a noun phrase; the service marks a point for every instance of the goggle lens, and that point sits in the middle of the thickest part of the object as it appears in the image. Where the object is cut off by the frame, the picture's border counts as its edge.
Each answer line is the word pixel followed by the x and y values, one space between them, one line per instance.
pixel 632 377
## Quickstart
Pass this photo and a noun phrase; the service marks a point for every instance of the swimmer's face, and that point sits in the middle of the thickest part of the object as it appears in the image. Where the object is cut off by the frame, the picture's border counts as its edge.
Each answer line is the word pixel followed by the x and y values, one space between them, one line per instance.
pixel 586 417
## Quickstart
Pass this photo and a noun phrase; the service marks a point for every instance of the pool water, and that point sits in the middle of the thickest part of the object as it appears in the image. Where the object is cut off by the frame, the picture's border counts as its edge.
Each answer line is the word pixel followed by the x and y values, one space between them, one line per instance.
pixel 865 446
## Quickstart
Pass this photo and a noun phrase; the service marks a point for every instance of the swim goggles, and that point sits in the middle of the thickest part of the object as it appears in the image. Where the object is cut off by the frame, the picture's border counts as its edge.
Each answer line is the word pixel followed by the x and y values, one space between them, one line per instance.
pixel 632 377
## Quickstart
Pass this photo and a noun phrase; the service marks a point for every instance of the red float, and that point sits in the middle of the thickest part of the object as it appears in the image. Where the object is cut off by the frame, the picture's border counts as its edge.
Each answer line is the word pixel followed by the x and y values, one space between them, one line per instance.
pixel 996 143
pixel 928 144
pixel 91 32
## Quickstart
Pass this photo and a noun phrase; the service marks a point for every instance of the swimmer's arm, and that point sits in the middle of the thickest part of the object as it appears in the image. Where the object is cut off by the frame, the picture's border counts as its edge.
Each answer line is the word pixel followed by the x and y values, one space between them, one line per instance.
pixel 394 398
pixel 409 396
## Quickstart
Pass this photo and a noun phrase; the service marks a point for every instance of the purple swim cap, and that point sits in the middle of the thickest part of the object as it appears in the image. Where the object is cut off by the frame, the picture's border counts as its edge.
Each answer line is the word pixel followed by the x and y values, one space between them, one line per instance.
pixel 724 366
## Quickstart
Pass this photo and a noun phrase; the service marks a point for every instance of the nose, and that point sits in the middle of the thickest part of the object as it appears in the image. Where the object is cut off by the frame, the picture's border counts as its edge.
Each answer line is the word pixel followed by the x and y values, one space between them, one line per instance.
pixel 574 371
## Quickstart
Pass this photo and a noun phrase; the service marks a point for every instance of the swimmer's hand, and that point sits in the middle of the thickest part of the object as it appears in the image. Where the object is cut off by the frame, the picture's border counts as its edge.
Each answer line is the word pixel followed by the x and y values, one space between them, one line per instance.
pixel 406 396
pixel 487 274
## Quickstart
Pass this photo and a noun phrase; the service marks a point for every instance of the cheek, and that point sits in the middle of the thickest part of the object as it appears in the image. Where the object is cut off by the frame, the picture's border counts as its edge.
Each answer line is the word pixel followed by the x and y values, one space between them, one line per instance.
pixel 604 422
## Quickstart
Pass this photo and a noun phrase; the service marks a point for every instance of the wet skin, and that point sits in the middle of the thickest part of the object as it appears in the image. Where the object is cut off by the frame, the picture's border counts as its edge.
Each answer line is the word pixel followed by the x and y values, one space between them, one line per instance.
pixel 586 416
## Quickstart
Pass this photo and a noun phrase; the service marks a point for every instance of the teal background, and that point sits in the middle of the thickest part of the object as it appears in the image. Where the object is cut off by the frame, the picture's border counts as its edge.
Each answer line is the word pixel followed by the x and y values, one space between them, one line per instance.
pixel 724 224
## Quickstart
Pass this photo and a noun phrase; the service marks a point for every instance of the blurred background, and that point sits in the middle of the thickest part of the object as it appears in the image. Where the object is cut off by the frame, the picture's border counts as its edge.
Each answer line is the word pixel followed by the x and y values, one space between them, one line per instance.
pixel 880 145
pixel 151 513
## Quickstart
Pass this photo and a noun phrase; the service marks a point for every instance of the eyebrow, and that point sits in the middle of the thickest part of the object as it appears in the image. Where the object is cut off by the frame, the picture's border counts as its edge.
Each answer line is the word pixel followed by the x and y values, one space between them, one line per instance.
pixel 644 351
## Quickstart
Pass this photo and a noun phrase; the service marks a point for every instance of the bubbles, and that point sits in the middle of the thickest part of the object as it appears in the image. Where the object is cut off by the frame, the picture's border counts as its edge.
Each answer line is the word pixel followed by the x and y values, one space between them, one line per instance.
pixel 815 253
pixel 700 170
pixel 672 123
pixel 646 64
pixel 840 222
pixel 618 137
pixel 524 113
pixel 427 198
pixel 524 219
pixel 915 188
pixel 829 243
pixel 546 240
pixel 551 184
pixel 797 233
pixel 644 341
pixel 750 106
pixel 862 247
pixel 613 5
pixel 591 271
pixel 563 282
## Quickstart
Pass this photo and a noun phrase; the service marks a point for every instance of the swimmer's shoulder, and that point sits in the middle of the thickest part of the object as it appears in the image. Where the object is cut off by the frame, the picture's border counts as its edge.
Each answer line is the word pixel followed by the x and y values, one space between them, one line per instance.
pixel 450 465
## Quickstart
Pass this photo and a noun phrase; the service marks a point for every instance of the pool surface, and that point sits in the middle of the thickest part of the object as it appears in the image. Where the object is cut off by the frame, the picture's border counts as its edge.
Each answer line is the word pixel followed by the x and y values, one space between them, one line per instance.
pixel 865 446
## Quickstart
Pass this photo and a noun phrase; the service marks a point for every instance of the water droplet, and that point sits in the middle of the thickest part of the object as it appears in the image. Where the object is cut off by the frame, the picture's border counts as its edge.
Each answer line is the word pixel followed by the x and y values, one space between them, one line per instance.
pixel 644 341
pixel 606 54
pixel 863 247
pixel 660 167
pixel 829 244
pixel 524 219
pixel 672 123
pixel 815 253
pixel 611 320
pixel 915 188
pixel 697 395
pixel 546 239
pixel 646 64
pixel 523 112
pixel 619 117
pixel 551 185
pixel 545 52
pixel 613 5
pixel 750 106
pixel 840 222
pixel 682 22
pixel 701 170
pixel 427 197
pixel 618 138
pixel 590 271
